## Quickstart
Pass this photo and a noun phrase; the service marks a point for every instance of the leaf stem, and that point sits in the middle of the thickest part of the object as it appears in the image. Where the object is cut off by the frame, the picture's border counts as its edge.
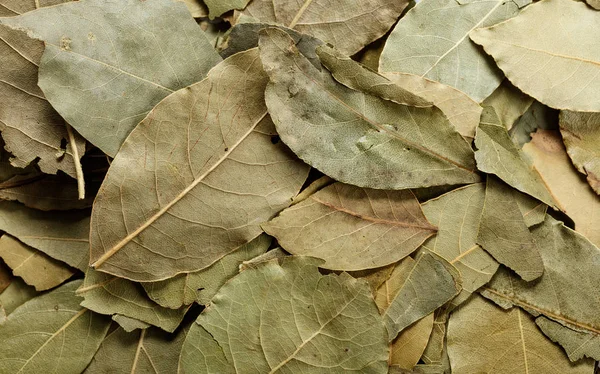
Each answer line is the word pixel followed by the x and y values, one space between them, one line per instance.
pixel 78 169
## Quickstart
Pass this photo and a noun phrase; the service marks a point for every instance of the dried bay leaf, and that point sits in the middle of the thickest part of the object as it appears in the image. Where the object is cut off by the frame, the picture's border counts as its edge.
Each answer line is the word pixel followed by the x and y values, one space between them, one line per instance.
pixel 16 294
pixel 496 154
pixel 5 276
pixel 435 358
pixel 197 8
pixel 195 179
pixel 568 186
pixel 51 333
pixel 30 127
pixel 576 344
pixel 483 338
pixel 219 7
pixel 352 228
pixel 141 352
pixel 132 72
pixel 397 146
pixel 415 289
pixel 538 116
pixel 432 41
pixel 581 135
pixel 504 234
pixel 348 24
pixel 60 235
pixel 201 286
pixel 407 348
pixel 129 324
pixel 37 269
pixel 107 294
pixel 457 215
pixel 594 4
pixel 537 56
pixel 567 291
pixel 509 103
pixel 292 323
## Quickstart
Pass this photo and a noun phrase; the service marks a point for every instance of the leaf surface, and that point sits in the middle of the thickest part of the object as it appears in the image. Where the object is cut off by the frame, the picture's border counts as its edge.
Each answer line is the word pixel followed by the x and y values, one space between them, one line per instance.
pixel 163 50
pixel 397 146
pixel 51 333
pixel 576 344
pixel 37 269
pixel 509 103
pixel 569 187
pixel 292 323
pixel 195 179
pixel 483 338
pixel 432 40
pixel 581 135
pixel 332 21
pixel 407 348
pixel 352 228
pixel 558 66
pixel 16 294
pixel 219 7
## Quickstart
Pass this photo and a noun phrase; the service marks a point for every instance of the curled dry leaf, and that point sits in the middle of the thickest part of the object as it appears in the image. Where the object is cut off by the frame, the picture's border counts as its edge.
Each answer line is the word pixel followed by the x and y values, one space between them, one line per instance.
pixel 37 269
pixel 352 228
pixel 51 333
pixel 195 179
pixel 292 323
pixel 483 338
pixel 568 187
pixel 432 41
pixel 30 126
pixel 131 71
pixel 538 56
pixel 396 146
pixel 581 135
pixel 331 21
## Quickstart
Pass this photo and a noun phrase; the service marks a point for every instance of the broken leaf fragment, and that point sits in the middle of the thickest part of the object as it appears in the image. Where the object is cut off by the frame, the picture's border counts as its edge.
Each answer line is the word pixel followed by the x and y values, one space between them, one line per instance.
pixel 195 179
pixel 292 323
pixel 577 344
pixel 385 145
pixel 352 228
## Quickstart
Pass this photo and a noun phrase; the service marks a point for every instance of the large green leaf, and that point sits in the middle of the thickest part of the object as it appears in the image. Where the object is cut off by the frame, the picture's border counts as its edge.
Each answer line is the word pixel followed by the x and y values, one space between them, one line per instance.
pixel 415 289
pixel 550 51
pixel 51 334
pixel 352 228
pixel 567 292
pixel 581 135
pixel 195 179
pixel 457 215
pixel 366 21
pixel 107 63
pixel 432 41
pixel 30 126
pixel 201 286
pixel 288 318
pixel 384 145
pixel 141 352
pixel 483 338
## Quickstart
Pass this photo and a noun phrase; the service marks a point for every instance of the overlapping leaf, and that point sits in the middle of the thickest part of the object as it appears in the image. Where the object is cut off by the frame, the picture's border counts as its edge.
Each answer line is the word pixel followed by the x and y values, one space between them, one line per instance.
pixel 509 103
pixel 195 179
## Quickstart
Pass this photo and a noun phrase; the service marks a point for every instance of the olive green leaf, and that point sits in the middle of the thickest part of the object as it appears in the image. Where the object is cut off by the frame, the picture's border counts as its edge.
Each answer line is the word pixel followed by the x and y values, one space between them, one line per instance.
pixel 575 343
pixel 275 254
pixel 197 8
pixel 103 80
pixel 407 348
pixel 129 324
pixel 567 292
pixel 462 111
pixel 568 186
pixel 496 154
pixel 415 289
pixel 432 40
pixel 594 4
pixel 106 294
pixel 374 277
pixel 16 294
pixel 483 338
pixel 348 24
pixel 504 234
pixel 581 135
pixel 51 334
pixel 509 103
pixel 352 228
pixel 288 318
pixel 201 286
pixel 31 128
pixel 218 7
pixel 546 43
pixel 457 214
pixel 141 352
pixel 435 357
pixel 60 235
pixel 195 179
pixel 396 146
pixel 37 269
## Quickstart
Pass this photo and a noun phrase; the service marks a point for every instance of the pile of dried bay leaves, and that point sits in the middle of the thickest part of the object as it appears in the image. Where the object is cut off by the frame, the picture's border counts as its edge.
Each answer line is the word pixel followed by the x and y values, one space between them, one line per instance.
pixel 287 186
